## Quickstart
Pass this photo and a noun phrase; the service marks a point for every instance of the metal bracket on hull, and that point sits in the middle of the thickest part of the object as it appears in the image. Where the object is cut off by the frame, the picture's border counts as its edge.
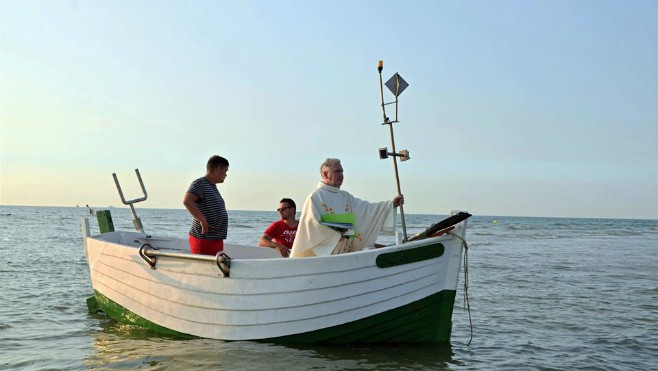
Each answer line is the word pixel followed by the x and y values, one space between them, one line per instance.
pixel 224 263
pixel 150 255
pixel 149 259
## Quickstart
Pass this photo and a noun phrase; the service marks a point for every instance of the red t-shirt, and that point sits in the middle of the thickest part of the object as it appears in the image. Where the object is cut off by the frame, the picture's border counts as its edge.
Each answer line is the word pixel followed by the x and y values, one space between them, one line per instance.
pixel 282 233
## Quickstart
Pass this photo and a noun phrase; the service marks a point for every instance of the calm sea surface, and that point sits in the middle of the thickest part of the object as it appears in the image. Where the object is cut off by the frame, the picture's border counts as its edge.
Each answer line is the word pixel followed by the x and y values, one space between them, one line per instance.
pixel 545 293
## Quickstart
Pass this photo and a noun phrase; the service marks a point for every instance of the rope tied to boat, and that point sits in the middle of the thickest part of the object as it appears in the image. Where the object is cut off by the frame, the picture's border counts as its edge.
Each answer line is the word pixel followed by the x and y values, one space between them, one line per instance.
pixel 467 304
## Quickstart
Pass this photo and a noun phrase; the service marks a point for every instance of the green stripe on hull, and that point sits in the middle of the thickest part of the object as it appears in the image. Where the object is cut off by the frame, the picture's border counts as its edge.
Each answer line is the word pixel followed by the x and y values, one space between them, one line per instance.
pixel 392 259
pixel 428 320
pixel 123 315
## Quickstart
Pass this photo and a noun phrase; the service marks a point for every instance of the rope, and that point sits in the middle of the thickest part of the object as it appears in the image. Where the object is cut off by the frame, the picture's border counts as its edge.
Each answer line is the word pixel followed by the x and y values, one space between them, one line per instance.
pixel 467 304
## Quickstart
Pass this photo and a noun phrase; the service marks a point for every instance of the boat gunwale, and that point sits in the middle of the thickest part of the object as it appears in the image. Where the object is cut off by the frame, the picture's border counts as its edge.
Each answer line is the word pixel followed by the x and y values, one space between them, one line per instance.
pixel 158 251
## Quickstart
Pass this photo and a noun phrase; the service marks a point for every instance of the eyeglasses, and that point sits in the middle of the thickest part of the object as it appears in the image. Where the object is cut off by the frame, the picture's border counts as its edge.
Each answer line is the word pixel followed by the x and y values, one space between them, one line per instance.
pixel 283 209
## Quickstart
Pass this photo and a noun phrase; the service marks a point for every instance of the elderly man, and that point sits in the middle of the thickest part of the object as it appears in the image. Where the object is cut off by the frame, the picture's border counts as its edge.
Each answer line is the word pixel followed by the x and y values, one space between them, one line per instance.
pixel 329 204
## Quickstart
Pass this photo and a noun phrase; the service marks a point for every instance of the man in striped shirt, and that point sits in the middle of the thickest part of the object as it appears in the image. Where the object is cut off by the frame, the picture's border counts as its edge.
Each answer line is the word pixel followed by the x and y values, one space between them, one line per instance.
pixel 206 205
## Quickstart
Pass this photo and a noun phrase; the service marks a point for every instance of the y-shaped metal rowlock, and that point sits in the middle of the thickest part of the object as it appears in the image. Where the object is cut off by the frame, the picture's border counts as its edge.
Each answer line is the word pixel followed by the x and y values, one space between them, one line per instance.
pixel 396 85
pixel 136 221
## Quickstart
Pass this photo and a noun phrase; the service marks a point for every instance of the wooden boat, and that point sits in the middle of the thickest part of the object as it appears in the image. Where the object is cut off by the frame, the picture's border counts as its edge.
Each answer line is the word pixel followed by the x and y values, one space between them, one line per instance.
pixel 399 293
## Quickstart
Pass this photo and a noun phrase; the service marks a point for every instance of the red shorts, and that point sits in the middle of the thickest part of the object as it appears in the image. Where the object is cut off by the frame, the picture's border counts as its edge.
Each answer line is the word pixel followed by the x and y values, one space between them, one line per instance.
pixel 205 247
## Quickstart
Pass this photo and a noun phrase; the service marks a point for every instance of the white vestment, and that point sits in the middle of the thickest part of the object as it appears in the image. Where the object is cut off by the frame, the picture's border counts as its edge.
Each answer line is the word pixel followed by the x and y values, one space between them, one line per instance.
pixel 315 239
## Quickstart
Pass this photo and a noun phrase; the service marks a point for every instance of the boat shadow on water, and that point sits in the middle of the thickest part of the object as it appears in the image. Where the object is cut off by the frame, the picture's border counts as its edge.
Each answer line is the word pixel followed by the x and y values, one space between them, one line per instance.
pixel 119 346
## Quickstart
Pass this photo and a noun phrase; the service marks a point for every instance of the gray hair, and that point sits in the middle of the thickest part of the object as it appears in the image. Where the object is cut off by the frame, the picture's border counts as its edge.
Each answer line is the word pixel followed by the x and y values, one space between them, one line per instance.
pixel 329 163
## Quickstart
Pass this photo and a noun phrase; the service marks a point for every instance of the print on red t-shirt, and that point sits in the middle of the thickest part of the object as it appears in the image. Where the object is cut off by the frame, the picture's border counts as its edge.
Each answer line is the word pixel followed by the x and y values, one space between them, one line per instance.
pixel 282 233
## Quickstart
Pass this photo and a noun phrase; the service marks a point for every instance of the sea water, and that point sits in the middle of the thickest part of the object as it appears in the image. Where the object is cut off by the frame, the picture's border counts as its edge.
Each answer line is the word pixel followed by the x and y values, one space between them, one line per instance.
pixel 544 294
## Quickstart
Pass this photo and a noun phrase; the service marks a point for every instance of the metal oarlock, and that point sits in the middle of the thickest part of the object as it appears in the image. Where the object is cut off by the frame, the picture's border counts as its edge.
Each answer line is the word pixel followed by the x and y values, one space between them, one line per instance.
pixel 136 221
pixel 396 85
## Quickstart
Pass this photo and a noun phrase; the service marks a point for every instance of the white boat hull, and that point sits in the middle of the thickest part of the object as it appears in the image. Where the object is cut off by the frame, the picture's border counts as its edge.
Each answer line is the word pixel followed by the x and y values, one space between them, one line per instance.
pixel 356 297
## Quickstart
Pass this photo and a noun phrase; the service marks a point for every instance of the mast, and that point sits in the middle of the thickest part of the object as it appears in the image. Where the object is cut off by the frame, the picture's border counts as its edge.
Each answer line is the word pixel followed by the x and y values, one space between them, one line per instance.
pixel 396 85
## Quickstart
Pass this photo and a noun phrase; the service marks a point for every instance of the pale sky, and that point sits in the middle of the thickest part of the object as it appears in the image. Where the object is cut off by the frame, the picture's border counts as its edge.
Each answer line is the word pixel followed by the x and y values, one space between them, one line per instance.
pixel 518 108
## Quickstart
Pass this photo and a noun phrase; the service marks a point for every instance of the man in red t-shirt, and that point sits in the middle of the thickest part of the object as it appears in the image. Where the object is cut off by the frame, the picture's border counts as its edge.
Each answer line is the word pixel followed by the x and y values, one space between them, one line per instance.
pixel 281 234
